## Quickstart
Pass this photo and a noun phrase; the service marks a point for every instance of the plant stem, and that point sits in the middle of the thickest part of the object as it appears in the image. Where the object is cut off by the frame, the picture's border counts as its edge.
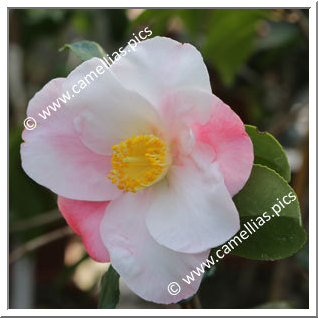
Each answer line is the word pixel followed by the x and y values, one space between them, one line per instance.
pixel 39 242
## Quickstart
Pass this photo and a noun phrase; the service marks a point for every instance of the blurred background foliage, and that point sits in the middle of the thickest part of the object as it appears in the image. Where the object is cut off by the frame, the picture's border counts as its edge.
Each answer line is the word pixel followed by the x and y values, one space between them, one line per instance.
pixel 258 64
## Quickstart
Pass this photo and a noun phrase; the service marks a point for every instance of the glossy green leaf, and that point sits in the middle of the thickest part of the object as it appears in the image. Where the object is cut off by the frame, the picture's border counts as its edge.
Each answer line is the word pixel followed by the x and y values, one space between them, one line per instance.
pixel 109 294
pixel 231 39
pixel 85 50
pixel 277 239
pixel 268 152
pixel 280 234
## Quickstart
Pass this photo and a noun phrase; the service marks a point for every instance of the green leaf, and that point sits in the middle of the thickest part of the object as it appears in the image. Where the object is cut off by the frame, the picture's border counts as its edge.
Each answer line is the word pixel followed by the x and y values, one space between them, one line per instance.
pixel 85 50
pixel 231 39
pixel 109 294
pixel 278 237
pixel 268 152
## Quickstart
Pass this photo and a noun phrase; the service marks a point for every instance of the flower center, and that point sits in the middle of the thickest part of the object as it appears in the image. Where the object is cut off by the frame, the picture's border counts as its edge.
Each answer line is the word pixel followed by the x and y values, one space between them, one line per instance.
pixel 139 162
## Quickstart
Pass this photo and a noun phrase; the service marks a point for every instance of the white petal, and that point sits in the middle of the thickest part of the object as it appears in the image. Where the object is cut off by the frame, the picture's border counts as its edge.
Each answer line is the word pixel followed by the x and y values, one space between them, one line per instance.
pixel 161 65
pixel 109 112
pixel 192 209
pixel 147 267
pixel 54 156
pixel 179 110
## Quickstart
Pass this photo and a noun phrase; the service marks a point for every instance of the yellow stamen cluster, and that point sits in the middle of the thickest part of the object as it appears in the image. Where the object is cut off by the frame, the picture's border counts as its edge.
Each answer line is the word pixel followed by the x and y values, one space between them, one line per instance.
pixel 139 162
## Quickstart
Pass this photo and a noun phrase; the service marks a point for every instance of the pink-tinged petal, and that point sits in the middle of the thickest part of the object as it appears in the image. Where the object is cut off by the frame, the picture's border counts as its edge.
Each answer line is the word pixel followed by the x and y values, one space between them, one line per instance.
pixel 109 112
pixel 85 217
pixel 167 63
pixel 67 152
pixel 65 166
pixel 226 134
pixel 191 209
pixel 54 156
pixel 147 267
pixel 188 105
pixel 180 108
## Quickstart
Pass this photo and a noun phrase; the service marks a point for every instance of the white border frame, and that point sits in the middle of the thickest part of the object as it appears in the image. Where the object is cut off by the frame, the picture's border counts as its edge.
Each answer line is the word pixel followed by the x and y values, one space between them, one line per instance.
pixel 158 312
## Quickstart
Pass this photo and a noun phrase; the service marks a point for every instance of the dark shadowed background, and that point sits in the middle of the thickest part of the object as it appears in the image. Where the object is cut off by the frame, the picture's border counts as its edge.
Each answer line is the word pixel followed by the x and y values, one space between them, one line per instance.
pixel 258 64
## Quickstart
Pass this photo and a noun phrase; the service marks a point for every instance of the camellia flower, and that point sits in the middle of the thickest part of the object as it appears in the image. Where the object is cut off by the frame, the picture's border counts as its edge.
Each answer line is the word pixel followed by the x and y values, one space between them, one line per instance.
pixel 145 162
